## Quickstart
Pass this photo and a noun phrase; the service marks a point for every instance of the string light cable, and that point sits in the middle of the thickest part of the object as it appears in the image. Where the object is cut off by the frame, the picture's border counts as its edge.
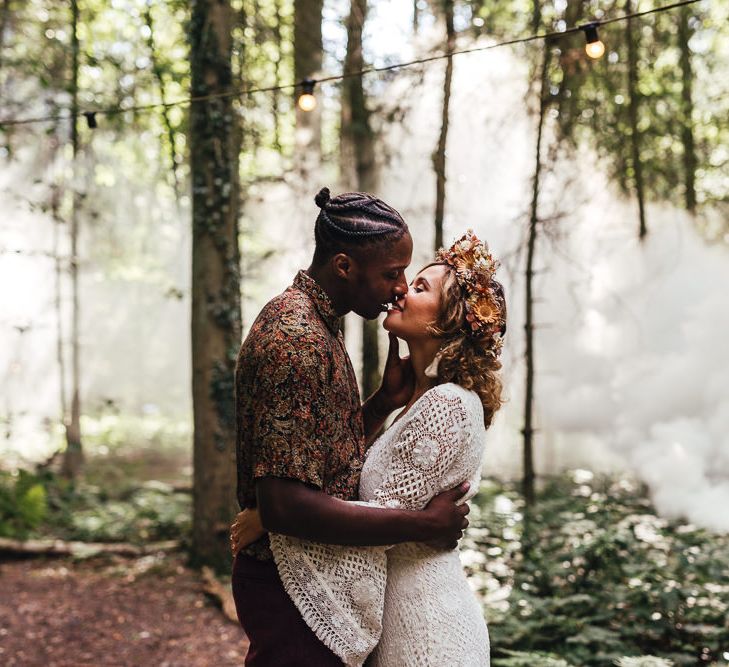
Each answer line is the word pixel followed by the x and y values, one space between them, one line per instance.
pixel 594 47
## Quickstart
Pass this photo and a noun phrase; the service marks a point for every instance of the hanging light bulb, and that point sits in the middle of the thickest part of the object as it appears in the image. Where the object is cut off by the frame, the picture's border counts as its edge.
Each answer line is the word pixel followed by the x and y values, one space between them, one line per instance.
pixel 307 101
pixel 593 47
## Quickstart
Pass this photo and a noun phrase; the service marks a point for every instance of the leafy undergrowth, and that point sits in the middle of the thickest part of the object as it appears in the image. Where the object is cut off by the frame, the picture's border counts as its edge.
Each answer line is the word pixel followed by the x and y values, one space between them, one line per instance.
pixel 130 490
pixel 593 578
pixel 593 575
pixel 45 505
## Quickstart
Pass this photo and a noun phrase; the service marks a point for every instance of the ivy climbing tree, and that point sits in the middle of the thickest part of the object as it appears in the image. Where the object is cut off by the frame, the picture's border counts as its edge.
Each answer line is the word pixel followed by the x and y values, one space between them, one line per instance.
pixel 216 310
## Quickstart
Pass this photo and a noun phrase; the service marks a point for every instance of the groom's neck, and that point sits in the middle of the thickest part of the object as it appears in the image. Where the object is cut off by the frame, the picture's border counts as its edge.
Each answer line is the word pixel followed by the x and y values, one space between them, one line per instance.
pixel 325 278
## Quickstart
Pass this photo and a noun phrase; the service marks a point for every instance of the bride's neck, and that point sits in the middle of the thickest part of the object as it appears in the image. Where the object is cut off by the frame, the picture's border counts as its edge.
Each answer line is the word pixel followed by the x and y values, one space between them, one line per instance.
pixel 422 353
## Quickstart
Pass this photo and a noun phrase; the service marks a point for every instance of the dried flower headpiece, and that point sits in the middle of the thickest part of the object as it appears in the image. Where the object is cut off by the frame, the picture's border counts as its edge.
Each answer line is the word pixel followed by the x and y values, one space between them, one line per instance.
pixel 474 268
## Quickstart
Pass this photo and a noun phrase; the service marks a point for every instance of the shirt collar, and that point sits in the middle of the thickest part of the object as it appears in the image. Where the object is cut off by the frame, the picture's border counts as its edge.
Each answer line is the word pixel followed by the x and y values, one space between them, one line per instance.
pixel 304 282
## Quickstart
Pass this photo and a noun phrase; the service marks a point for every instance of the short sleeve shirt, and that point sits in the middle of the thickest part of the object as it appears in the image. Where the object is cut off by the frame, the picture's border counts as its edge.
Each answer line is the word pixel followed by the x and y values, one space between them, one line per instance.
pixel 298 408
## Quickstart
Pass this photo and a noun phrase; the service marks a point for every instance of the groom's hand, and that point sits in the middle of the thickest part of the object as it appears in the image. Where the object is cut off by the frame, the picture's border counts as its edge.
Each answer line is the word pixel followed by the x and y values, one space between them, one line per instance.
pixel 246 529
pixel 448 519
pixel 398 378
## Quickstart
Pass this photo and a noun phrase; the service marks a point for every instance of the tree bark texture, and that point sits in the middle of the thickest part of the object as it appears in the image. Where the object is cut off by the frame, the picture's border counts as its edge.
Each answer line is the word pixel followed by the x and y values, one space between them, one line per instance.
pixel 216 310
pixel 439 157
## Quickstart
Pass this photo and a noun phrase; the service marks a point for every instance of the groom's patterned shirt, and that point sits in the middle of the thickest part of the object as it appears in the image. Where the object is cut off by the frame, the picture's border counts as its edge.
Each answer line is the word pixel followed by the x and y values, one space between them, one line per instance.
pixel 298 409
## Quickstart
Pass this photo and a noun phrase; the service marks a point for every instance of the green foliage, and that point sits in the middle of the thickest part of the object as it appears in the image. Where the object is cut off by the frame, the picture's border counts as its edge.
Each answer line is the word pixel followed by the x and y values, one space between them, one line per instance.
pixel 46 505
pixel 593 575
pixel 152 512
pixel 681 55
pixel 23 504
pixel 591 99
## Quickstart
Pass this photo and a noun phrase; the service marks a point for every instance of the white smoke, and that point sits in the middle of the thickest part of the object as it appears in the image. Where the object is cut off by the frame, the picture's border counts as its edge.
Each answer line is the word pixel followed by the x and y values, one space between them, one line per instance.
pixel 633 355
pixel 632 360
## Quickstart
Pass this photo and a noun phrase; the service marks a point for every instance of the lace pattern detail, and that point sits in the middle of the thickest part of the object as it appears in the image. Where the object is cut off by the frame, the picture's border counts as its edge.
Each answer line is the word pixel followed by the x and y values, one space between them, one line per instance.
pixel 340 591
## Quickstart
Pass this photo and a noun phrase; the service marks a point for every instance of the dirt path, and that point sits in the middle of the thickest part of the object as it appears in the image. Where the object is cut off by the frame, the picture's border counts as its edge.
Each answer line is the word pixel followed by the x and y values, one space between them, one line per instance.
pixel 112 613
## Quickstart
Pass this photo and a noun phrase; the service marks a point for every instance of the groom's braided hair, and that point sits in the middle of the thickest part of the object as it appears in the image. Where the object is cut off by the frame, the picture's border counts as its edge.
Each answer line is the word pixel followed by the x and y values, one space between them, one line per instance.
pixel 351 221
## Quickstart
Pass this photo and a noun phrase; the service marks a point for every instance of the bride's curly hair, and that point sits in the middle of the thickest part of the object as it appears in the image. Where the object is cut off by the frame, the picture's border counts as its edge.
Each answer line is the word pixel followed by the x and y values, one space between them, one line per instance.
pixel 466 359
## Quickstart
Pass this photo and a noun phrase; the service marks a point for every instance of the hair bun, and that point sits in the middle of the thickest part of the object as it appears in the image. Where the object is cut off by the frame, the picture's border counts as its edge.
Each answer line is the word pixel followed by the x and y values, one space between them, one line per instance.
pixel 323 197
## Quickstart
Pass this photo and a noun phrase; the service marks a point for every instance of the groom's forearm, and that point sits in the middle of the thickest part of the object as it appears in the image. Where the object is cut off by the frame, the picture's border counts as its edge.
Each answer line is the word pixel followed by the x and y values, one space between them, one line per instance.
pixel 291 508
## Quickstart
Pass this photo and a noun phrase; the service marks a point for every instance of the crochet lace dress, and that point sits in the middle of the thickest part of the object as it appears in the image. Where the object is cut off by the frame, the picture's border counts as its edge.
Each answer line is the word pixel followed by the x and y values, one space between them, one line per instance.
pixel 406 605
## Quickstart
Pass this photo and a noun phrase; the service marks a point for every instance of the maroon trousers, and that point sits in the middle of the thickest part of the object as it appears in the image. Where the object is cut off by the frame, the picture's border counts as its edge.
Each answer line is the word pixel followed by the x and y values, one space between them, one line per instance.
pixel 277 633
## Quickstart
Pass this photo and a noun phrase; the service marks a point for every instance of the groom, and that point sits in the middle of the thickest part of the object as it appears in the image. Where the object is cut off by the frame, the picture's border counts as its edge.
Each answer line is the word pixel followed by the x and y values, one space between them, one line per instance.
pixel 302 433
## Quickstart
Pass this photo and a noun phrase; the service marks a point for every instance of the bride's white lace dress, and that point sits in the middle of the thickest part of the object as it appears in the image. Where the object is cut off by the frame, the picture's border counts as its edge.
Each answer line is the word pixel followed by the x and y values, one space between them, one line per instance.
pixel 407 604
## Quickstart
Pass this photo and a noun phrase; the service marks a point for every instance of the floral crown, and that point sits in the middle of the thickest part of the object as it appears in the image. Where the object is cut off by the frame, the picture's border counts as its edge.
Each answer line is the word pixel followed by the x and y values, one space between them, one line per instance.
pixel 474 268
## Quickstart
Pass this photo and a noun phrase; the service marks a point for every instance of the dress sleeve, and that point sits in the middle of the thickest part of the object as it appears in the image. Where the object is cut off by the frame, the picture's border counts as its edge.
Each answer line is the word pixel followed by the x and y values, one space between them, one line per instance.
pixel 432 453
pixel 338 590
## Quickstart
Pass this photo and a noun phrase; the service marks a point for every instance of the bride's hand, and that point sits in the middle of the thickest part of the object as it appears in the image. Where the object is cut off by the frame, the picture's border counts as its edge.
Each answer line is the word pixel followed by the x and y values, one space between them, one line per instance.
pixel 246 529
pixel 398 378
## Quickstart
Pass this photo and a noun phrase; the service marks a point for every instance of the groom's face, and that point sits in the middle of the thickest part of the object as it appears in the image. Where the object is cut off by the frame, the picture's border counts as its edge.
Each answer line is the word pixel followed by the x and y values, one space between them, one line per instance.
pixel 380 277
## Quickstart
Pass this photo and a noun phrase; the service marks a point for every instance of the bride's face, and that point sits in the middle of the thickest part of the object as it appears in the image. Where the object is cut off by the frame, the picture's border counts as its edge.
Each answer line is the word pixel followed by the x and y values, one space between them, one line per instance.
pixel 413 312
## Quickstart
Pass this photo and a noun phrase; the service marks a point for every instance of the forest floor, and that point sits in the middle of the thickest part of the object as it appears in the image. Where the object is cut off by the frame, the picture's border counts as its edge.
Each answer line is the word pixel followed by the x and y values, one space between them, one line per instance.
pixel 112 612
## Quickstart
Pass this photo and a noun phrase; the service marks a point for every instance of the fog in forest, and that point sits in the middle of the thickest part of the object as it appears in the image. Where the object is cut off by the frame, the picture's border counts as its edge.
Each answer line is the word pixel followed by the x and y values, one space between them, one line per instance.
pixel 631 354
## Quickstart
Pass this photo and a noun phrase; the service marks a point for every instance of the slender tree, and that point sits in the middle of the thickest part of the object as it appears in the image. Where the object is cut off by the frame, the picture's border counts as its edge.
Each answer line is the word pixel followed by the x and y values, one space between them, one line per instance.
pixel 439 156
pixel 73 458
pixel 4 21
pixel 278 63
pixel 308 53
pixel 159 76
pixel 687 109
pixel 528 452
pixel 57 303
pixel 633 39
pixel 357 160
pixel 216 311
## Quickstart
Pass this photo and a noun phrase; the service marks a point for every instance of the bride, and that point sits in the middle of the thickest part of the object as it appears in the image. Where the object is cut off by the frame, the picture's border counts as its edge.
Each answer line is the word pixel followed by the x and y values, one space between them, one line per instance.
pixel 410 604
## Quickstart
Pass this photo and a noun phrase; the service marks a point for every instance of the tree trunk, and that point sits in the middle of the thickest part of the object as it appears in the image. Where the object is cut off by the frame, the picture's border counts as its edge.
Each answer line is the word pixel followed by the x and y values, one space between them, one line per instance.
pixel 687 108
pixel 308 52
pixel 358 166
pixel 633 99
pixel 4 19
pixel 528 453
pixel 276 94
pixel 57 304
pixel 416 17
pixel 216 313
pixel 159 76
pixel 45 547
pixel 73 458
pixel 439 157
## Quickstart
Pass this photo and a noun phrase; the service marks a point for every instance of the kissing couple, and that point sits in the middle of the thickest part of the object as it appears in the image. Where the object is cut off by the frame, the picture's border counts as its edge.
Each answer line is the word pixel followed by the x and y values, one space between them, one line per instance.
pixel 346 548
